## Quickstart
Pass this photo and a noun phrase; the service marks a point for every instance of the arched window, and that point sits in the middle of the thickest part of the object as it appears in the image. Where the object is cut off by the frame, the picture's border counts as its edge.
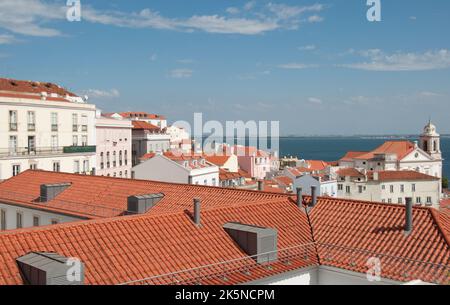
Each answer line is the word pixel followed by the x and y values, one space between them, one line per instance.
pixel 425 145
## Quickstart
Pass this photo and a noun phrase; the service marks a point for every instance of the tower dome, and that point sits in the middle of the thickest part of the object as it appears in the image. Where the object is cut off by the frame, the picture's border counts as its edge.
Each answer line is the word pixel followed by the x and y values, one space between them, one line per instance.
pixel 430 130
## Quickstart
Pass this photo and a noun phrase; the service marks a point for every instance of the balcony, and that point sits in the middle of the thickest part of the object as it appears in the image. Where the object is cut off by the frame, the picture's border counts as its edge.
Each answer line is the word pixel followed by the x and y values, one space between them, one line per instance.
pixel 44 151
pixel 31 127
pixel 79 149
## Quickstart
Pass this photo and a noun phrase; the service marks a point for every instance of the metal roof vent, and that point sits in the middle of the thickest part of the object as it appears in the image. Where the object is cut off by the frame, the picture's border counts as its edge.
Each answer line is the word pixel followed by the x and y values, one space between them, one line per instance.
pixel 140 204
pixel 258 242
pixel 38 268
pixel 50 191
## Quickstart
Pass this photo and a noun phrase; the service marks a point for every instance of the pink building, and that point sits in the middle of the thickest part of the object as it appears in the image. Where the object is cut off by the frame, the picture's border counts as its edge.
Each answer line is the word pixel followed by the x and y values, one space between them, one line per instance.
pixel 256 162
pixel 113 147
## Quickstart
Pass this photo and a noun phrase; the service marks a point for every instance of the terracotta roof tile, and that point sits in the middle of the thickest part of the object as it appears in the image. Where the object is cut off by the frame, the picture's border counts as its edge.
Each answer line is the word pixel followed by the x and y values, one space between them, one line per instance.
pixel 142 125
pixel 21 86
pixel 401 176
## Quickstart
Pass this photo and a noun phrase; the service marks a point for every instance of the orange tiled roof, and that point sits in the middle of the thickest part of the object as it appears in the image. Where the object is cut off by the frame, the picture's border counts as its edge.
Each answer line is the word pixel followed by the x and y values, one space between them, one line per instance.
pixel 399 148
pixel 401 175
pixel 142 115
pixel 21 86
pixel 317 165
pixel 283 180
pixel 218 160
pixel 349 172
pixel 141 125
pixel 344 234
pixel 124 249
pixel 98 196
pixel 227 175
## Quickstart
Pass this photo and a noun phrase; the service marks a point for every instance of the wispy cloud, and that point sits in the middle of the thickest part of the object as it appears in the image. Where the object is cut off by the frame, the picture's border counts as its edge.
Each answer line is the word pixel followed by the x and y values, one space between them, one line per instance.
pixel 296 66
pixel 34 18
pixel 181 73
pixel 7 39
pixel 315 18
pixel 153 57
pixel 310 47
pixel 399 61
pixel 315 100
pixel 102 94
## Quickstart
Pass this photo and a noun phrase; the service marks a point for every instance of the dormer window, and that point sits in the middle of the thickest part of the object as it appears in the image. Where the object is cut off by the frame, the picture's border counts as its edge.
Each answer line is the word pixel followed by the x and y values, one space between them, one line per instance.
pixel 194 163
pixel 186 163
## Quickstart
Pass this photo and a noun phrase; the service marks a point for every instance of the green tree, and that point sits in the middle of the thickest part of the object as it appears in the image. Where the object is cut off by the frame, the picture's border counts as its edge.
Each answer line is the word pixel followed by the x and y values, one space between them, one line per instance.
pixel 444 183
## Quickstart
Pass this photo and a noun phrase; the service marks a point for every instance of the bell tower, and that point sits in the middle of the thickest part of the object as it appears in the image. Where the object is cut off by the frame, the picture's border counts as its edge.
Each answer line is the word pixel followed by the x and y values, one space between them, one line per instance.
pixel 430 141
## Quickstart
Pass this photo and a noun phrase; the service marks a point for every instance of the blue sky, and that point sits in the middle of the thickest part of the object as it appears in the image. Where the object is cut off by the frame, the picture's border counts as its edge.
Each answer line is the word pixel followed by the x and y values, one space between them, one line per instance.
pixel 319 67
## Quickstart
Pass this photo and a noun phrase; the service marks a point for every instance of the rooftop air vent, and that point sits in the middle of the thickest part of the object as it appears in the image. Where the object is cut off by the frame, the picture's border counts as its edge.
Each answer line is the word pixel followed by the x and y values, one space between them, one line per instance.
pixel 140 204
pixel 50 191
pixel 258 242
pixel 38 268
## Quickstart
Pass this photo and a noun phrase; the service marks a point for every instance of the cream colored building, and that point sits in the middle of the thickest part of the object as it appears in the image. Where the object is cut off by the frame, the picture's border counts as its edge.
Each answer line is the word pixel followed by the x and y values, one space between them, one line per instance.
pixel 389 186
pixel 424 156
pixel 113 147
pixel 43 126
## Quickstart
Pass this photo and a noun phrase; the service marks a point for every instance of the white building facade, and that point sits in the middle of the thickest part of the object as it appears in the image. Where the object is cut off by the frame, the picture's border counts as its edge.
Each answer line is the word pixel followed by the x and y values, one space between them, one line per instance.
pixel 46 130
pixel 324 185
pixel 181 169
pixel 113 147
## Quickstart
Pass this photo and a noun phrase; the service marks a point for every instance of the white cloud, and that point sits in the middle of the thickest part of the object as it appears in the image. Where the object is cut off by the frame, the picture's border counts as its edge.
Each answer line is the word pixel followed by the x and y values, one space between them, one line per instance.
pixel 310 47
pixel 286 12
pixel 233 10
pixel 153 57
pixel 34 18
pixel 429 94
pixel 315 18
pixel 7 39
pixel 181 73
pixel 380 61
pixel 102 94
pixel 315 100
pixel 28 17
pixel 296 66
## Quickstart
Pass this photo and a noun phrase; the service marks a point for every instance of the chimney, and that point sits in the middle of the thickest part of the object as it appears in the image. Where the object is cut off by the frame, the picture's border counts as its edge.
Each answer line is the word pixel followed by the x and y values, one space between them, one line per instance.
pixel 197 219
pixel 299 197
pixel 50 191
pixel 408 215
pixel 313 196
pixel 260 185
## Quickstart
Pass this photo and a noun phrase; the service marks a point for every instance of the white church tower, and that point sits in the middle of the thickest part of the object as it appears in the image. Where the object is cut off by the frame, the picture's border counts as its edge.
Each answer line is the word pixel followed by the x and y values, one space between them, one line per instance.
pixel 430 141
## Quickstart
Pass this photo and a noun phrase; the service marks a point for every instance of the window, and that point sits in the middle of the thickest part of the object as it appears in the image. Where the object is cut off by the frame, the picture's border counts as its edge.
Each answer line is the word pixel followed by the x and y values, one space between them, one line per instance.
pixel 13 145
pixel 360 189
pixel 56 166
pixel 391 188
pixel 400 200
pixel 418 200
pixel 108 163
pixel 3 219
pixel 383 187
pixel 74 122
pixel 347 189
pixel 54 120
pixel 84 140
pixel 15 170
pixel 126 157
pixel 36 221
pixel 55 221
pixel 429 199
pixel 12 120
pixel 33 166
pixel 214 181
pixel 31 118
pixel 84 122
pixel 114 159
pixel 205 182
pixel 75 140
pixel 413 187
pixel 54 143
pixel 102 161
pixel 19 223
pixel 86 166
pixel 120 158
pixel 76 167
pixel 389 200
pixel 402 188
pixel 340 187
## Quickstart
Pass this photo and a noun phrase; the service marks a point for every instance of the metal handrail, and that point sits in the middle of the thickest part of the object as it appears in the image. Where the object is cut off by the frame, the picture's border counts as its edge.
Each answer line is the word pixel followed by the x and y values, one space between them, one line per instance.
pixel 194 275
